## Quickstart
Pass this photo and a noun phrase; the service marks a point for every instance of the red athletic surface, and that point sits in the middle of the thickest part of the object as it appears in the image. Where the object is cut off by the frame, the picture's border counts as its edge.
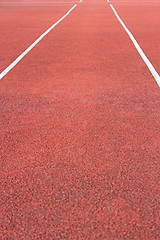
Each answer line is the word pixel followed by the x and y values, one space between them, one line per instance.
pixel 133 2
pixel 144 23
pixel 80 131
pixel 21 26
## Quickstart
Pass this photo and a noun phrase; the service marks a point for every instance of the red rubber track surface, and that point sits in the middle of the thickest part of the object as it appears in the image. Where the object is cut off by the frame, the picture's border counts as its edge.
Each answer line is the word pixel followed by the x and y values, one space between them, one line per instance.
pixel 38 1
pixel 21 26
pixel 80 135
pixel 134 2
pixel 144 23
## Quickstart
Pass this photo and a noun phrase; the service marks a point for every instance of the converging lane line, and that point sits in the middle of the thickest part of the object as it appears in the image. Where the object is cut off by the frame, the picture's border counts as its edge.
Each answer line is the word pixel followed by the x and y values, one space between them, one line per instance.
pixel 18 59
pixel 139 49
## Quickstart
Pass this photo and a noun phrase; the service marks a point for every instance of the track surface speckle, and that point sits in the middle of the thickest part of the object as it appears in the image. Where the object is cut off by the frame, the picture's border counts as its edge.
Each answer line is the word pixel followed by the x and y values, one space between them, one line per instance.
pixel 80 136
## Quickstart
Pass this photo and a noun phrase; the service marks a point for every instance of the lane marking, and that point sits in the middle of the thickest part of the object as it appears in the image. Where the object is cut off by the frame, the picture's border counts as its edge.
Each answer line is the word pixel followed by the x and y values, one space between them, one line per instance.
pixel 139 49
pixel 18 59
pixel 80 1
pixel 108 1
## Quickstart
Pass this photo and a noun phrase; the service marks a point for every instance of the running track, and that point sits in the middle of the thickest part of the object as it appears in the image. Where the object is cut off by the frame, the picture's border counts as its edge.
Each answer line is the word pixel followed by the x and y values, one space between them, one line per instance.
pixel 80 127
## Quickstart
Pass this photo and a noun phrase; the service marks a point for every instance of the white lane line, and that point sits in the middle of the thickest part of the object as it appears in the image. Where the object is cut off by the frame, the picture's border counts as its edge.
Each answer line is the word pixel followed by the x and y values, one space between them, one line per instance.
pixel 108 1
pixel 80 1
pixel 18 59
pixel 139 49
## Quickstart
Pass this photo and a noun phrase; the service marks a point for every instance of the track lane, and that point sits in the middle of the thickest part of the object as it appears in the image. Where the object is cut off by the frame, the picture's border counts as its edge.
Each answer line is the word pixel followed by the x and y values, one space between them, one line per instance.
pixel 138 19
pixel 142 54
pixel 37 41
pixel 80 135
pixel 21 26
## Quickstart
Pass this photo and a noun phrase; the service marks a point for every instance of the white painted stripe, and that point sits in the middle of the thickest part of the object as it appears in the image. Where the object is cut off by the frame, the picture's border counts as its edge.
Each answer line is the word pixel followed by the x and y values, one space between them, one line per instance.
pixel 139 49
pixel 18 59
pixel 108 1
pixel 80 1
